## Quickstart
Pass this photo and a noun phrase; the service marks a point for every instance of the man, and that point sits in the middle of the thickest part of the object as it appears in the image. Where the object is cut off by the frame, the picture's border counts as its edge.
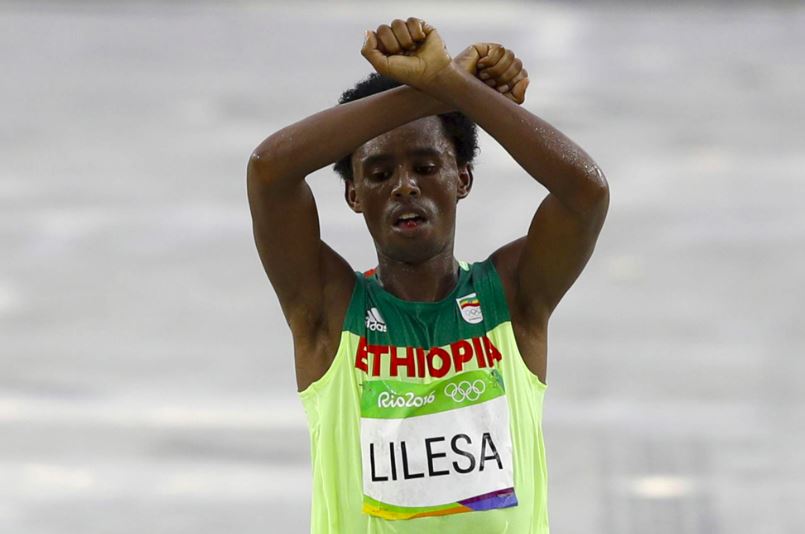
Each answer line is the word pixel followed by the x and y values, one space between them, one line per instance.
pixel 423 379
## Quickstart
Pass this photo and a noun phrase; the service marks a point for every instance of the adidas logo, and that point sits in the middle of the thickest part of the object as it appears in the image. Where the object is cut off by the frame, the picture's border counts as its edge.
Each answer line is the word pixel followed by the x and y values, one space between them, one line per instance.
pixel 374 321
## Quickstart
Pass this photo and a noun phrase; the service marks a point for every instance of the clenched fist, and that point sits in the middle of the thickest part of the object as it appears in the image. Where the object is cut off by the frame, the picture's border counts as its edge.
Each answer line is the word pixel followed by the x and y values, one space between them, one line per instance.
pixel 497 67
pixel 412 52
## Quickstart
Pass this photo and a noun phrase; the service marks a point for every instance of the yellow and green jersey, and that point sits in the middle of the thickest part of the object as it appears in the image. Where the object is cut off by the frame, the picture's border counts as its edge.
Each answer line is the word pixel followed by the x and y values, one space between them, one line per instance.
pixel 428 420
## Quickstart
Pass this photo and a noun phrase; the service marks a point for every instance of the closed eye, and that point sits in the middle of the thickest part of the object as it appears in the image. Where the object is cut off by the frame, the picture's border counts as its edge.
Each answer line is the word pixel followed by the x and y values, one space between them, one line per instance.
pixel 378 176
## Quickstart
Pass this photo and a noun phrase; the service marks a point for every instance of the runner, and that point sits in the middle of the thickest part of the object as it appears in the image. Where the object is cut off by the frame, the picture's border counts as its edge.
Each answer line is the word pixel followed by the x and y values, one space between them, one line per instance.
pixel 423 378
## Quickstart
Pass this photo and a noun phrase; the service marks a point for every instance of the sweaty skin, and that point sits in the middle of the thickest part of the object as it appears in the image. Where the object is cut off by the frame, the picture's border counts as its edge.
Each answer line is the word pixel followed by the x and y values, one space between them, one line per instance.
pixel 402 163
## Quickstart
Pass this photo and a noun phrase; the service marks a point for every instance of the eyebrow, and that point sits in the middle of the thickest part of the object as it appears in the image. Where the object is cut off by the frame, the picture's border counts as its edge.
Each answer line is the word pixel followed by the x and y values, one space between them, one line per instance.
pixel 423 151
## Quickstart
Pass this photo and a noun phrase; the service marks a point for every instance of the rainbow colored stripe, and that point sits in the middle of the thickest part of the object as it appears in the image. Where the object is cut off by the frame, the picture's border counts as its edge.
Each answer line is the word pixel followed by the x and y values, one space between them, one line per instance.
pixel 503 498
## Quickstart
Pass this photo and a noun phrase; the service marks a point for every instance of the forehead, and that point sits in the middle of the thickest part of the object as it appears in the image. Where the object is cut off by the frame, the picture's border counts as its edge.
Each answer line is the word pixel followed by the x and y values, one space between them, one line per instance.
pixel 424 133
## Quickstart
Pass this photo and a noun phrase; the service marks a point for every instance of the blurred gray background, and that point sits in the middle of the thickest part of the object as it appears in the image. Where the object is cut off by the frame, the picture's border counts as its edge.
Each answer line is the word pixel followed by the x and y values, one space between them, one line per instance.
pixel 146 374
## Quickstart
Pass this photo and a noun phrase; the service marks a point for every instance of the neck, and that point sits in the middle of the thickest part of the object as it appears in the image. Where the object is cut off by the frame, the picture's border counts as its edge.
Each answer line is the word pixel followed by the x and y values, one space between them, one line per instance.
pixel 429 281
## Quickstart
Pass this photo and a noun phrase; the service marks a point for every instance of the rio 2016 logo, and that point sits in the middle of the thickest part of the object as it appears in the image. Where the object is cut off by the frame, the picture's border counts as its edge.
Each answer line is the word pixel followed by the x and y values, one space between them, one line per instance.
pixel 406 400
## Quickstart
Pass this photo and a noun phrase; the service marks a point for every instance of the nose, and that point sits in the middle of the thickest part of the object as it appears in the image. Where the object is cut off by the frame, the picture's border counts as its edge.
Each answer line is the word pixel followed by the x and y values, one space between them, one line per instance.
pixel 405 185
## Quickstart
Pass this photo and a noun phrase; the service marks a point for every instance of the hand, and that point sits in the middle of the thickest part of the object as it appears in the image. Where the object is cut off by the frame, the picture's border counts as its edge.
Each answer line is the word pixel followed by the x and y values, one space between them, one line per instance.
pixel 410 51
pixel 501 70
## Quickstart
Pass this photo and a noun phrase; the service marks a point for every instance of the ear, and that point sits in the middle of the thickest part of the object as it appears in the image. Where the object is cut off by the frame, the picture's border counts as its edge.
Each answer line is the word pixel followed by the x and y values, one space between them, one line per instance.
pixel 465 179
pixel 351 196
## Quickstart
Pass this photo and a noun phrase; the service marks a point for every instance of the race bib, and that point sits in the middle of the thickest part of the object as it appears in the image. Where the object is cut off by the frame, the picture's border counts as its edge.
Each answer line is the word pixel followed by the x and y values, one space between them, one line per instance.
pixel 436 449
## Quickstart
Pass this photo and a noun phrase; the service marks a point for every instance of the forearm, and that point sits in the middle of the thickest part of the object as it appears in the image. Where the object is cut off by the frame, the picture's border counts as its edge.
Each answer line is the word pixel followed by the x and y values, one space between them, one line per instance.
pixel 325 137
pixel 542 150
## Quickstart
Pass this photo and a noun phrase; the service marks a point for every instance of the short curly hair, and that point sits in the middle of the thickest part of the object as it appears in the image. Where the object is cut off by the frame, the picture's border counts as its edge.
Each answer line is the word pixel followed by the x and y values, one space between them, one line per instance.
pixel 461 131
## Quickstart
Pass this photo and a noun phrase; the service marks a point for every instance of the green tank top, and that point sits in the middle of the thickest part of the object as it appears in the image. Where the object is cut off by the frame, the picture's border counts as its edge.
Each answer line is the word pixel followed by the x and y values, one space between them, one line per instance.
pixel 428 420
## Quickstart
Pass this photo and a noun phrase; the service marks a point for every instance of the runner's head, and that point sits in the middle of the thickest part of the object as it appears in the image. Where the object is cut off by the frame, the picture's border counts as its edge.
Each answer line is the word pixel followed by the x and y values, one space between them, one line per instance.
pixel 406 182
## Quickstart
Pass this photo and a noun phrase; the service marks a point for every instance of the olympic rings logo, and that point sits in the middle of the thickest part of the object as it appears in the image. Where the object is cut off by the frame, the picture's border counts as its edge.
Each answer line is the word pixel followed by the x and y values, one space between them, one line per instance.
pixel 472 312
pixel 465 390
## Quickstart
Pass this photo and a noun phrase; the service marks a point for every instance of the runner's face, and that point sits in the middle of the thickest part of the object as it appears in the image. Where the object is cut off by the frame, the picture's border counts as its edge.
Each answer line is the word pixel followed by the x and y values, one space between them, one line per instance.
pixel 406 184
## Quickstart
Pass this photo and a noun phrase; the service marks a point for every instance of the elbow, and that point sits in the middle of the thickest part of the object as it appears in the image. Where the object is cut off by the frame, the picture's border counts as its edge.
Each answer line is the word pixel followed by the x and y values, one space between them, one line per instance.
pixel 257 163
pixel 598 185
pixel 264 161
pixel 601 186
pixel 594 202
pixel 262 165
pixel 256 168
pixel 269 171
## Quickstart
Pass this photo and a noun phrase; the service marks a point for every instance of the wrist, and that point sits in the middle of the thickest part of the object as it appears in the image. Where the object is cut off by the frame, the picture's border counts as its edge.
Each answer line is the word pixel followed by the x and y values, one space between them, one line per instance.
pixel 429 104
pixel 444 84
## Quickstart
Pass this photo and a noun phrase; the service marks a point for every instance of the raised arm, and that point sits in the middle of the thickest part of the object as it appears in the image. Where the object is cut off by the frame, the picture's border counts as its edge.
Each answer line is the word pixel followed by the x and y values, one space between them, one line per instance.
pixel 537 270
pixel 313 283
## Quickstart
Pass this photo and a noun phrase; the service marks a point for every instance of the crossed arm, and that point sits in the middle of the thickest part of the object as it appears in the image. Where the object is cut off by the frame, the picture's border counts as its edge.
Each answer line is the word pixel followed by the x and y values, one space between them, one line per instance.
pixel 306 274
pixel 538 269
pixel 313 283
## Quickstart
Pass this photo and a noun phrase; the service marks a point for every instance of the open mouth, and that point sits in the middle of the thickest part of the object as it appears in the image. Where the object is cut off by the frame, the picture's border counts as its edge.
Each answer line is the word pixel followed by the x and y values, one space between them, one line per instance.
pixel 409 221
